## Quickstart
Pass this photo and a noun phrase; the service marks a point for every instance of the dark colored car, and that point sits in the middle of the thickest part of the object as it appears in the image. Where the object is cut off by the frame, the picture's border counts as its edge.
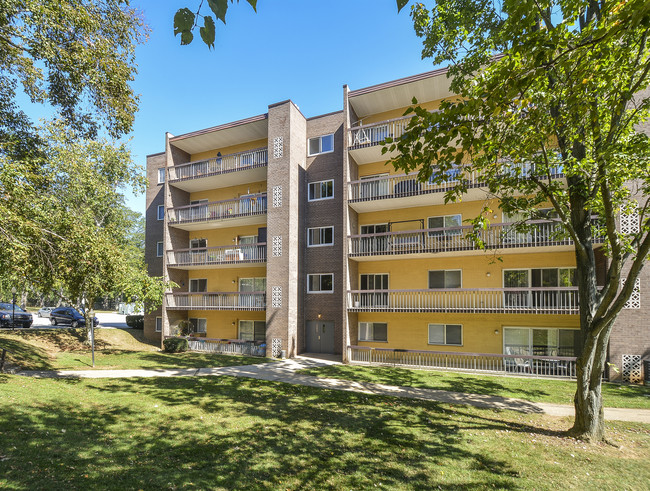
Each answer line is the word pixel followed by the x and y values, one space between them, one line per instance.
pixel 68 316
pixel 10 312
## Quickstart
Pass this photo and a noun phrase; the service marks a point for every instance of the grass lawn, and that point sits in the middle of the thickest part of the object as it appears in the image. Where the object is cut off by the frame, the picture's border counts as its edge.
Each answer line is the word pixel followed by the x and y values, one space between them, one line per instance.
pixel 228 433
pixel 62 349
pixel 530 389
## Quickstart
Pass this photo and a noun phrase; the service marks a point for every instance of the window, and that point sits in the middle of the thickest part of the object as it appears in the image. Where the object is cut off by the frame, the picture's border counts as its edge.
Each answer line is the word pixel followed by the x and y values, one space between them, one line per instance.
pixel 445 278
pixel 379 243
pixel 538 341
pixel 446 222
pixel 374 185
pixel 198 243
pixel 374 281
pixel 161 212
pixel 252 330
pixel 449 334
pixel 199 325
pixel 321 190
pixel 320 283
pixel 252 284
pixel 161 175
pixel 539 278
pixel 158 324
pixel 373 331
pixel 198 285
pixel 159 249
pixel 320 236
pixel 320 144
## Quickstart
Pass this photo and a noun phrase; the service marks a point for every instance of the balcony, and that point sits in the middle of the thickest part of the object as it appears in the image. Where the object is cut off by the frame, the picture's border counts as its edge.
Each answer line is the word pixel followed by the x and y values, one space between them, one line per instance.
pixel 217 301
pixel 247 210
pixel 221 172
pixel 404 191
pixel 424 242
pixel 556 300
pixel 365 141
pixel 215 257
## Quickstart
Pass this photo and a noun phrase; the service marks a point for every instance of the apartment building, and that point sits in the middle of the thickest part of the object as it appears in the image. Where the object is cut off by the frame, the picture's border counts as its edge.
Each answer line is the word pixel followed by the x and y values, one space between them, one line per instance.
pixel 293 233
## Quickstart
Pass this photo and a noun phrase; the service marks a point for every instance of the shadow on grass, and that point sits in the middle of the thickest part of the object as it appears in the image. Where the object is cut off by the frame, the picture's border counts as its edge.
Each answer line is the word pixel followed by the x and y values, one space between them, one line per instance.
pixel 255 435
pixel 412 378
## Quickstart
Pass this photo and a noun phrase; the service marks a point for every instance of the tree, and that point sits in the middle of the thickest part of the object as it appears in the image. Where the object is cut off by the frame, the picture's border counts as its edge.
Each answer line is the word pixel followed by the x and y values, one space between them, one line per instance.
pixel 72 232
pixel 550 96
pixel 77 55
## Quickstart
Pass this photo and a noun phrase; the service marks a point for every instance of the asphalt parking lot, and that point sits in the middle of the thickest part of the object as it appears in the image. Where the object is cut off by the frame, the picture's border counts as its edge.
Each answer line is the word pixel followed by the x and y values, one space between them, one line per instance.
pixel 106 320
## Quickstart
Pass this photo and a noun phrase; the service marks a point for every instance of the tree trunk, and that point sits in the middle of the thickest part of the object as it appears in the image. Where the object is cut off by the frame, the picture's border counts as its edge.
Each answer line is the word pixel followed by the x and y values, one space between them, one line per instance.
pixel 589 421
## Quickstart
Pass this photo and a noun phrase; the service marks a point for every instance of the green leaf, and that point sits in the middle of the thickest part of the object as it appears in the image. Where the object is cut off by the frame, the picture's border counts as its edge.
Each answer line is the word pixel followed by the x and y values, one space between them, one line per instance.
pixel 183 21
pixel 253 3
pixel 219 7
pixel 207 31
pixel 401 4
pixel 186 37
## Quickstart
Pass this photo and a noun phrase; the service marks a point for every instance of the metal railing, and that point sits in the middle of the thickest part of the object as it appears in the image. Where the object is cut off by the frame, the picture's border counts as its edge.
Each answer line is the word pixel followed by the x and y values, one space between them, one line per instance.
pixel 538 366
pixel 497 235
pixel 220 165
pixel 217 301
pixel 243 253
pixel 224 346
pixel 549 300
pixel 375 133
pixel 403 185
pixel 254 204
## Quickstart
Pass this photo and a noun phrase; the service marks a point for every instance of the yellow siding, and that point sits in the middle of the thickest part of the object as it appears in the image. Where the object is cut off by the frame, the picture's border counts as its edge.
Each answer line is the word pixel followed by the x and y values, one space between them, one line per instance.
pixel 242 147
pixel 410 330
pixel 407 274
pixel 226 280
pixel 225 236
pixel 398 113
pixel 229 192
pixel 468 210
pixel 224 324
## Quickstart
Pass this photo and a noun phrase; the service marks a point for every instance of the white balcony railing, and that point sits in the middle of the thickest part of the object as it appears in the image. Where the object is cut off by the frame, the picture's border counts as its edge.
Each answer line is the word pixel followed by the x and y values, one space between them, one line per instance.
pixel 560 365
pixel 375 134
pixel 555 300
pixel 430 240
pixel 220 165
pixel 254 204
pixel 217 301
pixel 244 253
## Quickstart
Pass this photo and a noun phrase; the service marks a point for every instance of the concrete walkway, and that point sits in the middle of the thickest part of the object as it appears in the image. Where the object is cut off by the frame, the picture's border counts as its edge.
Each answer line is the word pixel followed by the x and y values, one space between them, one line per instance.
pixel 284 371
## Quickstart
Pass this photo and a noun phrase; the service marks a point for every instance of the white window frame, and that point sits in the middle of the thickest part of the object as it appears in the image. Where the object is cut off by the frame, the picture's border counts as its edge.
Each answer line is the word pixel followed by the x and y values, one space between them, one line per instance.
pixel 444 335
pixel 253 321
pixel 373 331
pixel 530 335
pixel 309 198
pixel 160 250
pixel 320 144
pixel 197 327
pixel 530 274
pixel 445 233
pixel 445 270
pixel 161 175
pixel 319 282
pixel 320 229
pixel 161 216
pixel 158 326
pixel 197 283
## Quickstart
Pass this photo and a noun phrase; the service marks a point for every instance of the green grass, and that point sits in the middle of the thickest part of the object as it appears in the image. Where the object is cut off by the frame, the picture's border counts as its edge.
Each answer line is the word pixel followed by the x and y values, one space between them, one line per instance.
pixel 228 433
pixel 528 388
pixel 62 349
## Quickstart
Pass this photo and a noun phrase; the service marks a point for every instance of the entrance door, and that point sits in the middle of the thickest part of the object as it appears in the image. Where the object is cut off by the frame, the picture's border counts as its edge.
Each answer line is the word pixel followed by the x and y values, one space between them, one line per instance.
pixel 320 337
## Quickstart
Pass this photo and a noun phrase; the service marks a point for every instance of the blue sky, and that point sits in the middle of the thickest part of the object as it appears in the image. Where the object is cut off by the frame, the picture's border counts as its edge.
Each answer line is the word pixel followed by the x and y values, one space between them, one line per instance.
pixel 303 50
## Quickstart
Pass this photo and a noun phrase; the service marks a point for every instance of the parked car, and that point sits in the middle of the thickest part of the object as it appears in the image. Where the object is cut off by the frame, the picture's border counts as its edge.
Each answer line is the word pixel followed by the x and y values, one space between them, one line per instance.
pixel 68 316
pixel 10 312
pixel 45 311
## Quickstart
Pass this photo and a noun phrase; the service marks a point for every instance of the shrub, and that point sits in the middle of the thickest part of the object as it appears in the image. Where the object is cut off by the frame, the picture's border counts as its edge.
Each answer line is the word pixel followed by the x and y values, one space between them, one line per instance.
pixel 175 345
pixel 135 321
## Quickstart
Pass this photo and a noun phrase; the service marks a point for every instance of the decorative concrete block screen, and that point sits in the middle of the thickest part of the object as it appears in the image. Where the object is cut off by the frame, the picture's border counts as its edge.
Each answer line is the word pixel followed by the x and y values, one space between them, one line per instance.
pixel 277 246
pixel 634 302
pixel 631 370
pixel 276 347
pixel 276 297
pixel 277 196
pixel 278 147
